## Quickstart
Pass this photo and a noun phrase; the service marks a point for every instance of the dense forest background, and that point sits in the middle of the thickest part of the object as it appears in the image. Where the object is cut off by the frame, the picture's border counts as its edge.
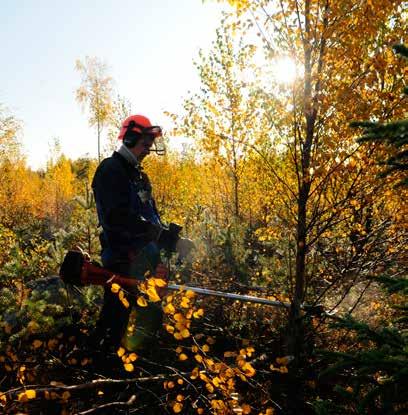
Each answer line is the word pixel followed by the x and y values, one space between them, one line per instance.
pixel 292 190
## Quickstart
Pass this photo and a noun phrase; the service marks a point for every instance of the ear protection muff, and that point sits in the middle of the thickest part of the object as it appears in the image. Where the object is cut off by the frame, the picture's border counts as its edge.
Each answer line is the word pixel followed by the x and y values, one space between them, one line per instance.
pixel 131 137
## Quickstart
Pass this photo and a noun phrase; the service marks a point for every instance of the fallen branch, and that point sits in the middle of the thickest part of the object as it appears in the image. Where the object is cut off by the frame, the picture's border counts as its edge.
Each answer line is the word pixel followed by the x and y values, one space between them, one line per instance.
pixel 102 408
pixel 99 383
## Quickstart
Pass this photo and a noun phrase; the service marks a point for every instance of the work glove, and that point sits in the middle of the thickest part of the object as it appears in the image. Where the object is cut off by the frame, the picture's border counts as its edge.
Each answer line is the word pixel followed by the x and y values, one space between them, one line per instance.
pixel 183 247
pixel 168 237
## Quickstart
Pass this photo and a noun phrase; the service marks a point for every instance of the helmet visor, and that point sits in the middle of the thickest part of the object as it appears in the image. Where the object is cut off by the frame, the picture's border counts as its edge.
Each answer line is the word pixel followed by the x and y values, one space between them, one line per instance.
pixel 158 146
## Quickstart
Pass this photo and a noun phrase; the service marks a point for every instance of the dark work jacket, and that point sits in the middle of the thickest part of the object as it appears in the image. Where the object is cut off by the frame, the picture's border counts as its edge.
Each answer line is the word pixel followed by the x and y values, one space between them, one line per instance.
pixel 126 209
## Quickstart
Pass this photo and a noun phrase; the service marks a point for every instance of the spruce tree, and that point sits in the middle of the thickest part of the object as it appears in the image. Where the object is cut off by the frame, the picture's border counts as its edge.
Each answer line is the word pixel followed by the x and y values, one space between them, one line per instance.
pixel 373 378
pixel 393 134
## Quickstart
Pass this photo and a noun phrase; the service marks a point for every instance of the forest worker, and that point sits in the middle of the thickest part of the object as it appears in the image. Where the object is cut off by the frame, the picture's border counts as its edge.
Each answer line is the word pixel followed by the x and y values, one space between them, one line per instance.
pixel 132 232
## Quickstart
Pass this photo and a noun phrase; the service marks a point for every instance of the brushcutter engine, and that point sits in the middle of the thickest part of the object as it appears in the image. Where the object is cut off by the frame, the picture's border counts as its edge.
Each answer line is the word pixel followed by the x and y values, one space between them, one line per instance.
pixel 76 269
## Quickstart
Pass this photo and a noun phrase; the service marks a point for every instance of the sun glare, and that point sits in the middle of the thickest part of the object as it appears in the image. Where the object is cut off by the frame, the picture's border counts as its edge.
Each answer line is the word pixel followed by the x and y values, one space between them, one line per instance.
pixel 284 70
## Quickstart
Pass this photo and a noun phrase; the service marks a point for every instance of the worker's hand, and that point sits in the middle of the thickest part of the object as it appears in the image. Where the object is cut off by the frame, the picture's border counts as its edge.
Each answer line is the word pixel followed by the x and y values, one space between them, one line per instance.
pixel 184 246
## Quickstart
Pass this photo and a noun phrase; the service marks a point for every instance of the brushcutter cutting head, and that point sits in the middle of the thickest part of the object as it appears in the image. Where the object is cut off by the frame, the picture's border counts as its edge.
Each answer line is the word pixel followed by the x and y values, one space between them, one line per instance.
pixel 71 268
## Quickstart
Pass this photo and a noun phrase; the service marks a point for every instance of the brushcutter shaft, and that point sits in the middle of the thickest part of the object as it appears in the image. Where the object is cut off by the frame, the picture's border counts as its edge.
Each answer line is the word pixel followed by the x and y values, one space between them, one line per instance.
pixel 239 297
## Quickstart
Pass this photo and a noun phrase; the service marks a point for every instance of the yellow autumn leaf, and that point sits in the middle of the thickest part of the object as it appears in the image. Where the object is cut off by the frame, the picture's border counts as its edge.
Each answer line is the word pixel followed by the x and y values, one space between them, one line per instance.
pixel 125 302
pixel 194 374
pixel 246 409
pixel 177 407
pixel 282 360
pixel 153 296
pixel 129 367
pixel 248 369
pixel 179 398
pixel 179 317
pixel 185 333
pixel 31 393
pixel 209 387
pixel 37 343
pixel 28 394
pixel 22 397
pixel 183 356
pixel 169 309
pixel 133 357
pixel 52 343
pixel 190 294
pixel 160 282
pixel 169 328
pixel 115 288
pixel 65 396
pixel 178 336
pixel 141 301
pixel 121 351
pixel 199 313
pixel 216 381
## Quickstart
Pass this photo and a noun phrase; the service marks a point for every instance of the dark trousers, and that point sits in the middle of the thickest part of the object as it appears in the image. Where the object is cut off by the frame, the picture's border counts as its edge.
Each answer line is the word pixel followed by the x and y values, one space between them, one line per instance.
pixel 114 317
pixel 113 326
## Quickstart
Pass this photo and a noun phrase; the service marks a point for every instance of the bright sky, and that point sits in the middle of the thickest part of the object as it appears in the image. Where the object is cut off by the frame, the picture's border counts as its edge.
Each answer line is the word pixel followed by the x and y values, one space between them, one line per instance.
pixel 149 46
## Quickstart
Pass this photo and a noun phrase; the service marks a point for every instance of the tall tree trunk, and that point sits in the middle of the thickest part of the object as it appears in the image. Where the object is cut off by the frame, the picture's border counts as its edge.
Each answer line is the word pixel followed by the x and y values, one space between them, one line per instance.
pixel 296 332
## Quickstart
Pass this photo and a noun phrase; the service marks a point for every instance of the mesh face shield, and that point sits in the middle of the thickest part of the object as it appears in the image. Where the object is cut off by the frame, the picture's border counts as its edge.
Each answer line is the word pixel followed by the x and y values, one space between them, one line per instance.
pixel 153 133
pixel 158 146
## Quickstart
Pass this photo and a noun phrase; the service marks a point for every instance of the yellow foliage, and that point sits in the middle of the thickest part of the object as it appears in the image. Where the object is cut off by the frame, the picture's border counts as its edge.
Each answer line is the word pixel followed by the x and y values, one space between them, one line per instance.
pixel 185 333
pixel 133 357
pixel 129 367
pixel 159 282
pixel 246 409
pixel 199 313
pixel 153 296
pixel 177 407
pixel 115 288
pixel 26 395
pixel 141 301
pixel 37 343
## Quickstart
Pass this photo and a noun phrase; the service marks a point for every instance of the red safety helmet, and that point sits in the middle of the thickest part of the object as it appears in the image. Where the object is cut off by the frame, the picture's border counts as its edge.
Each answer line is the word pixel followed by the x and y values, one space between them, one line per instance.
pixel 141 124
